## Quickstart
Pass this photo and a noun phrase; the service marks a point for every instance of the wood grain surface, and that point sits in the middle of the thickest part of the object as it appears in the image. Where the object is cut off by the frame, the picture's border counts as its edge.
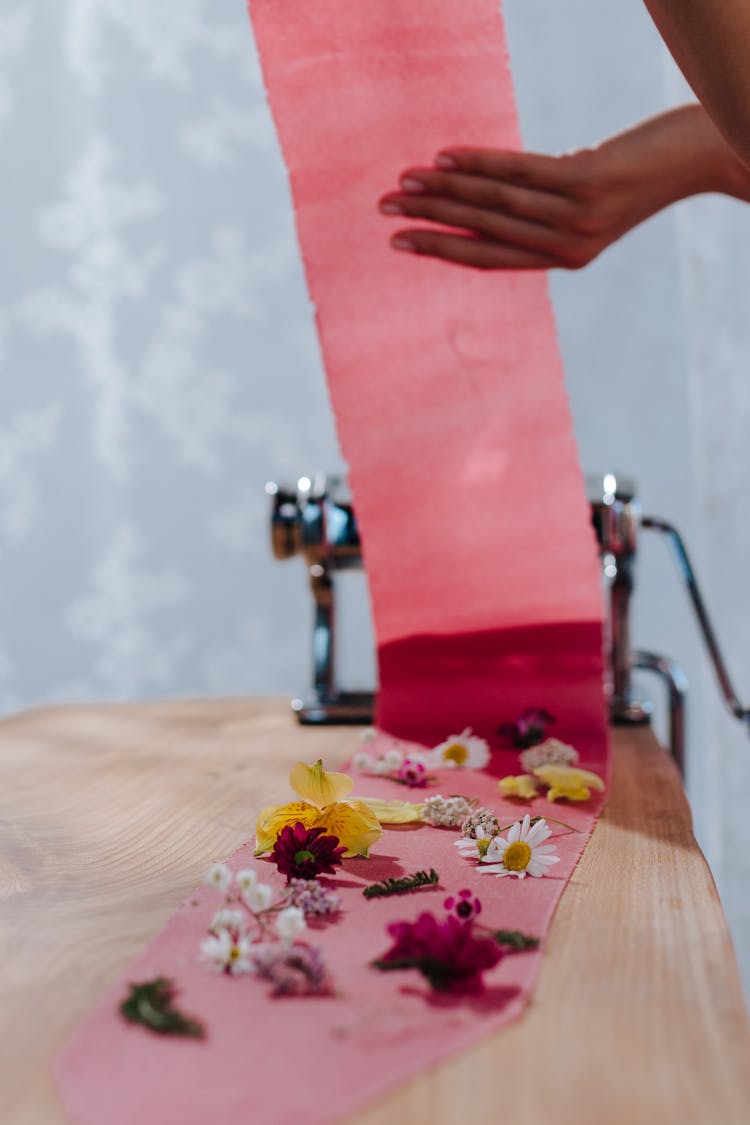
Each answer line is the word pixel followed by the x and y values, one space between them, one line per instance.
pixel 109 815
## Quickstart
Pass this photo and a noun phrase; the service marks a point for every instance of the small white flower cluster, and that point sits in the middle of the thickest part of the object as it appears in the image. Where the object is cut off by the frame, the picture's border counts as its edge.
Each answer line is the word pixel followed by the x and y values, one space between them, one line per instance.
pixel 460 751
pixel 552 752
pixel 381 765
pixel 446 812
pixel 229 946
pixel 481 825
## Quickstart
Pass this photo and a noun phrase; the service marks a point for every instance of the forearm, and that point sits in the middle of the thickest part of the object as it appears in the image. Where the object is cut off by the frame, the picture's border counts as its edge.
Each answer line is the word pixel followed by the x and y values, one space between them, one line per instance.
pixel 669 157
pixel 710 41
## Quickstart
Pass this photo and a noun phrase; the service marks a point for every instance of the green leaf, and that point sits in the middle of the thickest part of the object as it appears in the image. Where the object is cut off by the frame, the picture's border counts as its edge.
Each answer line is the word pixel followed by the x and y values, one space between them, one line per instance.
pixel 151 1004
pixel 515 940
pixel 402 886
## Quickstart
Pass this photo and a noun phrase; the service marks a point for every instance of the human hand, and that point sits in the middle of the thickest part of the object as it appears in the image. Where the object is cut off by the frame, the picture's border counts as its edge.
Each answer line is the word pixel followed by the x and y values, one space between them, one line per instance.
pixel 517 210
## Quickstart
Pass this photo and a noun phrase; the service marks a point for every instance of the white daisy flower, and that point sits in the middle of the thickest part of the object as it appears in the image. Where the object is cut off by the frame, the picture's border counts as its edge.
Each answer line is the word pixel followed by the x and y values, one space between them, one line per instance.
pixel 363 762
pixel 394 759
pixel 369 734
pixel 523 853
pixel 225 954
pixel 465 750
pixel 380 767
pixel 475 848
pixel 289 923
pixel 258 897
pixel 246 879
pixel 219 876
pixel 227 919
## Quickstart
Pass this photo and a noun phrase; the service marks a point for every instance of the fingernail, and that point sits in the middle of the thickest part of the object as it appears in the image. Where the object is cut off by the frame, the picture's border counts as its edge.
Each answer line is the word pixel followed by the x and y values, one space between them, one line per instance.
pixel 399 242
pixel 408 184
pixel 388 207
pixel 444 161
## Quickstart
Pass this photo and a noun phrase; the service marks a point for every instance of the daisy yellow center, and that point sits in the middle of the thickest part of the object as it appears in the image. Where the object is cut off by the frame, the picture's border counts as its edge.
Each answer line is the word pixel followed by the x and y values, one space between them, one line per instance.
pixel 483 846
pixel 234 953
pixel 456 752
pixel 517 856
pixel 303 856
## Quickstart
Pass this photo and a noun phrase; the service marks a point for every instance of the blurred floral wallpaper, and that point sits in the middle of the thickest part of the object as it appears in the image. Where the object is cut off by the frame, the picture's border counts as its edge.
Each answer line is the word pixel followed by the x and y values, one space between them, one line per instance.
pixel 154 345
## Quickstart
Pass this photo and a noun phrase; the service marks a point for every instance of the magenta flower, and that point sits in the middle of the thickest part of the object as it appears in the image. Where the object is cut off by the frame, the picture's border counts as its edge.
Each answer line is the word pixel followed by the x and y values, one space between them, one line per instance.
pixel 528 729
pixel 413 774
pixel 465 907
pixel 304 853
pixel 447 953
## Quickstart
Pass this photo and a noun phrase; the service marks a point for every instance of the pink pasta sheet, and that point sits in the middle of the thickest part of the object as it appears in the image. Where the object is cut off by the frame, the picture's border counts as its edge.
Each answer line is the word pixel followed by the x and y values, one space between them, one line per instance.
pixel 446 384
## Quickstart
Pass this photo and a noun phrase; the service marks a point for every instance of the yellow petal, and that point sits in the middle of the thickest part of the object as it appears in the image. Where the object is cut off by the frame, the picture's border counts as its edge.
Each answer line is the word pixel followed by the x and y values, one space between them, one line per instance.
pixel 354 823
pixel 568 782
pixel 393 812
pixel 523 786
pixel 570 794
pixel 313 784
pixel 275 817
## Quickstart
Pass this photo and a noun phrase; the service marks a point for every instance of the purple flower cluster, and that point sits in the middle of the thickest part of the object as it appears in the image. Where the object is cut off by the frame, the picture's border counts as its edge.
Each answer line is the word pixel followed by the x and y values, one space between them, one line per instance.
pixel 313 898
pixel 296 970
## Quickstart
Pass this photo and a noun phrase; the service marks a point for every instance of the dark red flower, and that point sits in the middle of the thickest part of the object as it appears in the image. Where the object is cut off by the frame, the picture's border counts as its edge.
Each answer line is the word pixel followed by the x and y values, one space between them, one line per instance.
pixel 464 906
pixel 529 728
pixel 447 953
pixel 305 853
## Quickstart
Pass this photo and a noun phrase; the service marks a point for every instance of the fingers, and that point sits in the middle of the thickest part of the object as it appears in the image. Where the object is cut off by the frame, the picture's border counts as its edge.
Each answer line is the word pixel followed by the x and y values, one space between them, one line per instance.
pixel 561 174
pixel 506 210
pixel 464 250
pixel 493 224
pixel 538 204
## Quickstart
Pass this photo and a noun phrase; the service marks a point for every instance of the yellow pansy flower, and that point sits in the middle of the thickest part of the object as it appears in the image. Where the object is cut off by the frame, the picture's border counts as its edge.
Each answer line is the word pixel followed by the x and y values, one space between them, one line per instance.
pixel 356 823
pixel 523 786
pixel 568 782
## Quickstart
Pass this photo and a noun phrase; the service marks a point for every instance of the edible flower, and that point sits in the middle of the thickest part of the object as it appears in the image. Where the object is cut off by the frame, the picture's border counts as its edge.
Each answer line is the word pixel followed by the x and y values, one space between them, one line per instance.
pixel 228 952
pixel 314 899
pixel 447 953
pixel 290 923
pixel 523 853
pixel 523 786
pixel 355 822
pixel 569 782
pixel 413 774
pixel 528 729
pixel 304 853
pixel 465 750
pixel 218 876
pixel 293 970
pixel 446 812
pixel 551 752
pixel 464 905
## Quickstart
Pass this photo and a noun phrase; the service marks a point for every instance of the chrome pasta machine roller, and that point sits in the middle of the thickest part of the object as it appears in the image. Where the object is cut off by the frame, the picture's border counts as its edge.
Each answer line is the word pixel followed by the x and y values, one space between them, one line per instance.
pixel 315 519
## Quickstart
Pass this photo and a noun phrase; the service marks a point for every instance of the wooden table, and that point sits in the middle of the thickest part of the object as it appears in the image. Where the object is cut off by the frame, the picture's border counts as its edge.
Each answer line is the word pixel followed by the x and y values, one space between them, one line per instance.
pixel 109 816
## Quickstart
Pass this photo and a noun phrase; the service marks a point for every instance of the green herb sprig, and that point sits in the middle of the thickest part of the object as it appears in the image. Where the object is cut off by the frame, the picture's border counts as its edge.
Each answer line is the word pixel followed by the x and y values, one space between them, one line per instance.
pixel 515 940
pixel 151 1004
pixel 402 886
